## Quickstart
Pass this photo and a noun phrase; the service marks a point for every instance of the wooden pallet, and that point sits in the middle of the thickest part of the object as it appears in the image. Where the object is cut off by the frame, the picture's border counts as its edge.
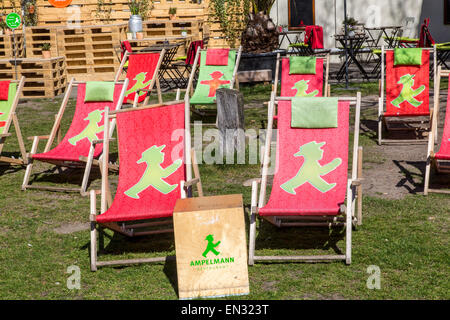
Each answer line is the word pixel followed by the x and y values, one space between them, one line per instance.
pixel 91 50
pixel 45 78
pixel 9 46
pixel 85 12
pixel 36 36
pixel 161 28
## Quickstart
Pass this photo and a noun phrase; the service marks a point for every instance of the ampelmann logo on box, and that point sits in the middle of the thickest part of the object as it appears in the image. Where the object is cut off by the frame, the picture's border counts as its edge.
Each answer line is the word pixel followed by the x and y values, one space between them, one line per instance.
pixel 211 247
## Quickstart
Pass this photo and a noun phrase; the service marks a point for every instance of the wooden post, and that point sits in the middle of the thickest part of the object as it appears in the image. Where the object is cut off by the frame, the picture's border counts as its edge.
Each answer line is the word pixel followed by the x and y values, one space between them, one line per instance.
pixel 230 117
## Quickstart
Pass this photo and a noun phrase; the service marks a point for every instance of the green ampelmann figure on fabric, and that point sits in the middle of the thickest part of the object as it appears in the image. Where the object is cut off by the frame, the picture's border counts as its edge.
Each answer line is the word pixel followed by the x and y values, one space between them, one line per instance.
pixel 91 129
pixel 154 173
pixel 311 170
pixel 301 87
pixel 211 246
pixel 140 78
pixel 408 93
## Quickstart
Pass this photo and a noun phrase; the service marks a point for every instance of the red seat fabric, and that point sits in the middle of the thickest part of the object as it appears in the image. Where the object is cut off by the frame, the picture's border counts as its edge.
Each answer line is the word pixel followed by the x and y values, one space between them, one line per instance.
pixel 444 150
pixel 67 151
pixel 141 70
pixel 313 81
pixel 400 79
pixel 328 145
pixel 150 142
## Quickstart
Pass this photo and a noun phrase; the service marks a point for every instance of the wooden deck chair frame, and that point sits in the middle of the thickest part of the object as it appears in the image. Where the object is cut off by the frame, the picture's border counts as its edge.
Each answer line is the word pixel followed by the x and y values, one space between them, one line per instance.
pixel 326 61
pixel 381 103
pixel 354 198
pixel 155 79
pixel 12 119
pixel 432 140
pixel 106 197
pixel 190 86
pixel 86 162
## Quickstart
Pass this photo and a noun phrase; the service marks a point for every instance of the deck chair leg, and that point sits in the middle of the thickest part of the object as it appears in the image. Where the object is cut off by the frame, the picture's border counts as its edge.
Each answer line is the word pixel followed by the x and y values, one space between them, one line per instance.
pixel 26 178
pixel 20 138
pixel 252 235
pixel 348 227
pixel 158 90
pixel 93 231
pixel 430 149
pixel 380 120
pixel 427 176
pixel 359 188
pixel 87 170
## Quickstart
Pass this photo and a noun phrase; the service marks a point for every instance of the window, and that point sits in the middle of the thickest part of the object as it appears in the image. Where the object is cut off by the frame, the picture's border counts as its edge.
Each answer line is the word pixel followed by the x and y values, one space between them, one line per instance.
pixel 301 13
pixel 446 11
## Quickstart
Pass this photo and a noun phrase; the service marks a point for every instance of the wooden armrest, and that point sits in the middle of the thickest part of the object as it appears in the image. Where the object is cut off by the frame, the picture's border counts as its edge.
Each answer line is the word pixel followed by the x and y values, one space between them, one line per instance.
pixel 249 182
pixel 39 137
pixel 191 182
pixel 3 135
pixel 357 182
pixel 101 140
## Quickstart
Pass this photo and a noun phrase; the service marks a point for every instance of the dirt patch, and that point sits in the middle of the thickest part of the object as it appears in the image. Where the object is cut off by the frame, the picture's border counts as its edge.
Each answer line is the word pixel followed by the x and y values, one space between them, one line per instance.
pixel 392 171
pixel 269 285
pixel 69 228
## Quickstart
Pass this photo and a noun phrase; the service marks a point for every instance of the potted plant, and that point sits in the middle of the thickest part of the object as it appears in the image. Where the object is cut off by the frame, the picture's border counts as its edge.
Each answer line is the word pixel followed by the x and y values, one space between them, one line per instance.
pixel 135 22
pixel 172 13
pixel 46 54
pixel 351 24
pixel 140 35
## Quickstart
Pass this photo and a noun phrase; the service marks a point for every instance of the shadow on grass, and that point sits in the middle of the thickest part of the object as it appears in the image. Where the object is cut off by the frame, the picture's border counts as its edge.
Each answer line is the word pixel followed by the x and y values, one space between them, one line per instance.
pixel 296 238
pixel 410 176
pixel 71 175
pixel 299 238
pixel 5 168
pixel 162 245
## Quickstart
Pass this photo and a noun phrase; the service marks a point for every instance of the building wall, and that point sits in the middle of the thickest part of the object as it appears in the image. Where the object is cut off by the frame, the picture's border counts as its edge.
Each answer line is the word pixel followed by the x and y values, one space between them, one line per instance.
pixel 330 14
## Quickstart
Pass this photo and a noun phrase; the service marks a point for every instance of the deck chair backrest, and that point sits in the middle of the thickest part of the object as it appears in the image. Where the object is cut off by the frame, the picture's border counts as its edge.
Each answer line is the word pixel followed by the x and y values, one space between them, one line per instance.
pixel 302 84
pixel 140 73
pixel 7 106
pixel 212 77
pixel 407 87
pixel 311 167
pixel 444 149
pixel 87 125
pixel 151 156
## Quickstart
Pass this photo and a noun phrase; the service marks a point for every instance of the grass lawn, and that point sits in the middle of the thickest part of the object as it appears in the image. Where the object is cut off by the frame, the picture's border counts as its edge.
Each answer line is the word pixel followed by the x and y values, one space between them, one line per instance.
pixel 43 233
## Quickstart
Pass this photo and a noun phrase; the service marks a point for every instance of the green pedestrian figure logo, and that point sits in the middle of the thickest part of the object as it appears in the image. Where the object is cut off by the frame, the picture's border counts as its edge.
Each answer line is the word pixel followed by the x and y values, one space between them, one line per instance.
pixel 92 128
pixel 139 84
pixel 301 87
pixel 154 174
pixel 311 171
pixel 408 93
pixel 210 247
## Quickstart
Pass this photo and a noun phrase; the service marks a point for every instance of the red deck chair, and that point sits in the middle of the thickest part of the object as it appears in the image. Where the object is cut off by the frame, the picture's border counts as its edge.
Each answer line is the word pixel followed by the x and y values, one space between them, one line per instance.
pixel 141 71
pixel 407 95
pixel 440 160
pixel 318 200
pixel 77 149
pixel 291 84
pixel 10 91
pixel 153 168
